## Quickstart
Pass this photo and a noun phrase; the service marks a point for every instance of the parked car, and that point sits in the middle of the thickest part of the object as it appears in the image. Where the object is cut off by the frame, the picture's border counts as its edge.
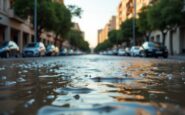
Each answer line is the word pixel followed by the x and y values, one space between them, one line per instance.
pixel 52 50
pixel 121 52
pixel 78 52
pixel 110 52
pixel 9 49
pixel 154 50
pixel 127 50
pixel 71 52
pixel 115 51
pixel 36 49
pixel 63 52
pixel 135 51
pixel 57 51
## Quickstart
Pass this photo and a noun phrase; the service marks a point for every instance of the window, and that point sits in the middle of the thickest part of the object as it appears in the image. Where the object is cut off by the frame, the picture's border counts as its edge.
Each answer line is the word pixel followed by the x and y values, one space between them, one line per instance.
pixel 158 38
pixel 4 5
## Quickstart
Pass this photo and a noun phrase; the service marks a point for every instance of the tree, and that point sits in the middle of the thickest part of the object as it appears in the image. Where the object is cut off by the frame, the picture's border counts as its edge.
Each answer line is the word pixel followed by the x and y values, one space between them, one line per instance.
pixel 46 19
pixel 77 41
pixel 103 46
pixel 63 21
pixel 52 16
pixel 126 31
pixel 165 16
pixel 113 37
pixel 143 24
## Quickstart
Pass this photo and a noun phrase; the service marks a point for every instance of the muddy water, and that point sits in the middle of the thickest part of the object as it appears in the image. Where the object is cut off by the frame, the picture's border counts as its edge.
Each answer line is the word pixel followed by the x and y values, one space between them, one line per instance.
pixel 92 85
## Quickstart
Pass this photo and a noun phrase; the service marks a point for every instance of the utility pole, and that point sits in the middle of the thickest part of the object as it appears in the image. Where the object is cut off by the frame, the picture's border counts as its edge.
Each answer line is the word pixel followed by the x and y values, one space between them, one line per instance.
pixel 134 23
pixel 35 20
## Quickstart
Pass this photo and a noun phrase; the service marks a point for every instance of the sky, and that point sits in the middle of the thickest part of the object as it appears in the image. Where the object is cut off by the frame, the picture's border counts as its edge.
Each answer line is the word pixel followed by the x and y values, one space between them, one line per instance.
pixel 96 13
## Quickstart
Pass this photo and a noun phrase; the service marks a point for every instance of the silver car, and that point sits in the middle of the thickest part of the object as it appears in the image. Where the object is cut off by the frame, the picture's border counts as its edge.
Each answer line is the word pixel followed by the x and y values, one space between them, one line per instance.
pixel 9 49
pixel 36 49
pixel 135 51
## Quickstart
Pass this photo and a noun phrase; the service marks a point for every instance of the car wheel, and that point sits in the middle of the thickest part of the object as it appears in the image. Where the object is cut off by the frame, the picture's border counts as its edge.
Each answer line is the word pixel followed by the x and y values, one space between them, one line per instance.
pixel 18 55
pixel 165 56
pixel 143 54
pixel 156 56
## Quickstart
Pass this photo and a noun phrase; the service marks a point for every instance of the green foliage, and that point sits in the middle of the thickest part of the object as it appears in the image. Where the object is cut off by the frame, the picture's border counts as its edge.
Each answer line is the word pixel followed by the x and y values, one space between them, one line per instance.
pixel 103 46
pixel 63 22
pixel 164 15
pixel 126 30
pixel 143 24
pixel 77 41
pixel 52 16
pixel 114 37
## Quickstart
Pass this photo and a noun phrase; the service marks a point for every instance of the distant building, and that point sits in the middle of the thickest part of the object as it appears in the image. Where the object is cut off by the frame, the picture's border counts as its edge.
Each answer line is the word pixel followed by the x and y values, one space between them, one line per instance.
pixel 77 28
pixel 99 36
pixel 103 33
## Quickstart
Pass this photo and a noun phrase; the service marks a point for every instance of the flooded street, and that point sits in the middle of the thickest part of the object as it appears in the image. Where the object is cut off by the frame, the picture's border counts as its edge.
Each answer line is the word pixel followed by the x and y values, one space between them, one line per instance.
pixel 92 85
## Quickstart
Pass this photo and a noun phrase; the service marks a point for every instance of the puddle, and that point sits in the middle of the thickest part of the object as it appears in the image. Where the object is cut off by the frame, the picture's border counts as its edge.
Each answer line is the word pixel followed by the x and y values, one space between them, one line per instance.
pixel 92 85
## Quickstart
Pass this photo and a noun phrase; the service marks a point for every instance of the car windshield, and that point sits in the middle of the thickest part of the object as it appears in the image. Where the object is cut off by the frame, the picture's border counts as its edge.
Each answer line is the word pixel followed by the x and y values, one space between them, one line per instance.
pixel 136 48
pixel 50 47
pixel 3 44
pixel 150 44
pixel 32 45
pixel 121 50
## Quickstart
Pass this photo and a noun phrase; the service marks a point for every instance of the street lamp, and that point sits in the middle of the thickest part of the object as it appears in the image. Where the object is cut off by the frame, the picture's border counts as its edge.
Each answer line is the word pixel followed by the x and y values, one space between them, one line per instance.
pixel 134 23
pixel 35 20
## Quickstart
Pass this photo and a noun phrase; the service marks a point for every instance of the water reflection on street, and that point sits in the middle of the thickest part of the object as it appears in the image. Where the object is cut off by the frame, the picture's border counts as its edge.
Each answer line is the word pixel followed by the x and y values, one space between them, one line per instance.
pixel 92 85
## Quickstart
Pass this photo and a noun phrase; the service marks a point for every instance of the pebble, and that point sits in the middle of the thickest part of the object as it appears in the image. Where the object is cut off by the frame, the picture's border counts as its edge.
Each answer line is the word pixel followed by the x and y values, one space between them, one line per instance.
pixel 20 80
pixel 29 103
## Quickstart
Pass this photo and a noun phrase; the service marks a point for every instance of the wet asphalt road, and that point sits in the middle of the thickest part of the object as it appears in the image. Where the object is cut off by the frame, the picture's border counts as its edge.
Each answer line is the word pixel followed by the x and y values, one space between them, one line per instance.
pixel 92 85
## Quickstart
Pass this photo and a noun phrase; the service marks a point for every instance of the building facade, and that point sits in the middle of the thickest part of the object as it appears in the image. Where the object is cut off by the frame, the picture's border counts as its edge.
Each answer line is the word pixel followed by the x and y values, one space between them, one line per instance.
pixel 103 33
pixel 125 9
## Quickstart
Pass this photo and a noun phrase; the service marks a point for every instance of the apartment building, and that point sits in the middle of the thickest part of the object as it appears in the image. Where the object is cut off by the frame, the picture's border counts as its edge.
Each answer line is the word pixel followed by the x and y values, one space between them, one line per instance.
pixel 125 11
pixel 103 33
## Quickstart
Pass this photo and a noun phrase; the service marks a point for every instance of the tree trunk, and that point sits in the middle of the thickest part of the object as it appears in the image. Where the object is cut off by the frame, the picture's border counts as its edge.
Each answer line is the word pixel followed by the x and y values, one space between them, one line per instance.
pixel 55 40
pixel 164 37
pixel 171 42
pixel 39 32
pixel 147 35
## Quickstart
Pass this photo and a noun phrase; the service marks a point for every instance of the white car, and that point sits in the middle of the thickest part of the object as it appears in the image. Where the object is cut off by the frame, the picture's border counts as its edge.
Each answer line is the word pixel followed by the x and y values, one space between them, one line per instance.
pixel 34 50
pixel 63 52
pixel 121 52
pixel 110 52
pixel 71 52
pixel 135 51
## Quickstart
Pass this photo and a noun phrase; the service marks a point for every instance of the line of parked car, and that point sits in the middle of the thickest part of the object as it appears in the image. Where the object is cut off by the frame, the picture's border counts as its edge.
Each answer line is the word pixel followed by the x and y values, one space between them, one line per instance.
pixel 147 49
pixel 37 49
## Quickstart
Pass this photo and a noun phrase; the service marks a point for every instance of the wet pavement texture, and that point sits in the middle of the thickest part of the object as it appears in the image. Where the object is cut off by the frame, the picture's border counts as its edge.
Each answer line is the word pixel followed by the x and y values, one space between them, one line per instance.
pixel 92 85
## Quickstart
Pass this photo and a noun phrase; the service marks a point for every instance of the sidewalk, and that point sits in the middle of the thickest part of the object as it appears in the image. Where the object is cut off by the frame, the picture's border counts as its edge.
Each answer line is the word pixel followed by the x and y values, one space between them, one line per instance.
pixel 178 57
